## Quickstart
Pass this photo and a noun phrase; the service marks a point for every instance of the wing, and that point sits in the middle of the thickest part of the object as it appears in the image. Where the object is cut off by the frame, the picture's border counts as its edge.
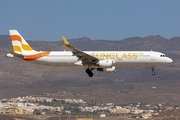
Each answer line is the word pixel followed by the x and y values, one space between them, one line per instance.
pixel 86 58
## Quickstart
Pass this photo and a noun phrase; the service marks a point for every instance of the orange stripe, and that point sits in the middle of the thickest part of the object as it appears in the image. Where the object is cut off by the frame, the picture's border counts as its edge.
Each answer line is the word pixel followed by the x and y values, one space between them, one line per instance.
pixel 16 38
pixel 36 56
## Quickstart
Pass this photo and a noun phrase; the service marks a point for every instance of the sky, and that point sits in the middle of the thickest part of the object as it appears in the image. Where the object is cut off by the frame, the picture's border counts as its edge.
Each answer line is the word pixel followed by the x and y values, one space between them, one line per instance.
pixel 96 19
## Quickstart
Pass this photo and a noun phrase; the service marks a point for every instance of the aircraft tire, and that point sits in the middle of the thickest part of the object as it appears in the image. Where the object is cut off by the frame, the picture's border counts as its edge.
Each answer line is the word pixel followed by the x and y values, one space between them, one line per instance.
pixel 88 71
pixel 90 74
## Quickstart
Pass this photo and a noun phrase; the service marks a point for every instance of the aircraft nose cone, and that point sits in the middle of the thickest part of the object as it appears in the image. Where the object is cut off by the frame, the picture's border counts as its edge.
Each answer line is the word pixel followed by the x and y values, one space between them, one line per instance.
pixel 169 60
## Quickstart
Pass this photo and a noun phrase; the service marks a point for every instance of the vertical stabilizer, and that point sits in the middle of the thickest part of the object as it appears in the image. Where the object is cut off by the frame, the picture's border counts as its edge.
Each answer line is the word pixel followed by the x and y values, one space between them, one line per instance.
pixel 19 44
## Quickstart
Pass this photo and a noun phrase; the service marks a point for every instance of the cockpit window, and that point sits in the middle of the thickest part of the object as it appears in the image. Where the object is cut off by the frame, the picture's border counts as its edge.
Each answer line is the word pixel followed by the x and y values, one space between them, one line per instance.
pixel 162 55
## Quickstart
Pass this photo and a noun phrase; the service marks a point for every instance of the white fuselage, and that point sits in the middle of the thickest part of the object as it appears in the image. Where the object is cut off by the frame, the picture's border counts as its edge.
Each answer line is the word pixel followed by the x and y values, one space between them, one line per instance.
pixel 119 58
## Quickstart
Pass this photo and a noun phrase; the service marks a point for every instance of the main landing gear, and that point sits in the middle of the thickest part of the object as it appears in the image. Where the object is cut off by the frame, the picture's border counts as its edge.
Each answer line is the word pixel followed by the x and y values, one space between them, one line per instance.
pixel 153 73
pixel 89 72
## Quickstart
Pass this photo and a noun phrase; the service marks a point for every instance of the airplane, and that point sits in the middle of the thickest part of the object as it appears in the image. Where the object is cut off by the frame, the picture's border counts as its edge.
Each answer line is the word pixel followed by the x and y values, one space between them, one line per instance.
pixel 104 61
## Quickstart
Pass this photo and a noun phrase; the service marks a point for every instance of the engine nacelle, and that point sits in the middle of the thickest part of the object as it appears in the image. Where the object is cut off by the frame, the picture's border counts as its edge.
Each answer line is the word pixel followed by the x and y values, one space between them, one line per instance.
pixel 105 63
pixel 107 70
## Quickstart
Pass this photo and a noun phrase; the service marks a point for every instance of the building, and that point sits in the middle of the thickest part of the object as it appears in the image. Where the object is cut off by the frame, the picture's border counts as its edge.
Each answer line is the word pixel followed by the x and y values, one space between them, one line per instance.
pixel 146 115
pixel 84 119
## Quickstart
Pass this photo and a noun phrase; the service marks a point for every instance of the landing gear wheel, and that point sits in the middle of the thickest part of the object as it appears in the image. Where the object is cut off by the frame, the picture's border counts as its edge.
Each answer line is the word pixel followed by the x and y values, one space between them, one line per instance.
pixel 153 73
pixel 89 72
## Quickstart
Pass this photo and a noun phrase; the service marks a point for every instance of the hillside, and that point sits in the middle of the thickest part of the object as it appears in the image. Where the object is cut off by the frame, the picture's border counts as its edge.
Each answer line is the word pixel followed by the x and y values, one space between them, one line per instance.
pixel 20 78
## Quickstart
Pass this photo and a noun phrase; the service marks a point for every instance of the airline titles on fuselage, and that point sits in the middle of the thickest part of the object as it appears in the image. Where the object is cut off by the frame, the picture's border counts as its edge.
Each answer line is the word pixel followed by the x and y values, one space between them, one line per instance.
pixel 116 55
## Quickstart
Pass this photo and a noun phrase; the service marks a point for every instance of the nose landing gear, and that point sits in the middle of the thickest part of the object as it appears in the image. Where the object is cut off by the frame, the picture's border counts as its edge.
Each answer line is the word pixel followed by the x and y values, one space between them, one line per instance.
pixel 153 73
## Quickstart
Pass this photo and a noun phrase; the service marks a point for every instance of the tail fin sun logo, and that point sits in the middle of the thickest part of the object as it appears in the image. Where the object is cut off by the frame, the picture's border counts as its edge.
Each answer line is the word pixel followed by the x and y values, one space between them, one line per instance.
pixel 19 44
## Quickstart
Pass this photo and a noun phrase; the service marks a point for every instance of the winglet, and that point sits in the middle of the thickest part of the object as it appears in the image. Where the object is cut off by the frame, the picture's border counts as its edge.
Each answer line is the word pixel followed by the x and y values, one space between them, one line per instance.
pixel 65 41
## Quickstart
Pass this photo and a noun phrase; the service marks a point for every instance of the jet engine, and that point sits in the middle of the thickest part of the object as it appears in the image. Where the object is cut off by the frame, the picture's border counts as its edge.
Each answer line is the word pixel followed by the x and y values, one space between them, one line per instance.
pixel 105 63
pixel 107 70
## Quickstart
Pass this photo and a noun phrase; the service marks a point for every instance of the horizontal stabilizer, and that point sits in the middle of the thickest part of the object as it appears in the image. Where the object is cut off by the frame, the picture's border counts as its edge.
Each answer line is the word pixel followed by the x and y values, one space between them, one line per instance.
pixel 16 54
